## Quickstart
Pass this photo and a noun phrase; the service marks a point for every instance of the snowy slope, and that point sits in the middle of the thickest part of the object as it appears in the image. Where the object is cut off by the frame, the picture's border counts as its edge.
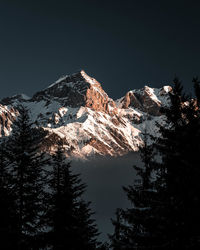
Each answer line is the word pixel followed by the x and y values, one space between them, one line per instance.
pixel 77 111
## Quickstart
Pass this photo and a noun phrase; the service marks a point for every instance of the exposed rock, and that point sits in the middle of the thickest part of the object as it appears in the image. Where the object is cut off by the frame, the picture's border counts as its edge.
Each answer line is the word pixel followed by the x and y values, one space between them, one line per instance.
pixel 145 99
pixel 7 116
pixel 78 90
pixel 130 100
pixel 76 112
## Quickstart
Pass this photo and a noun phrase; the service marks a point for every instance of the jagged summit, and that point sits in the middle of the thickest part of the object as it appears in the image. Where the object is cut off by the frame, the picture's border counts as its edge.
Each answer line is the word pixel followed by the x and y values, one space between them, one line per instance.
pixel 77 111
pixel 77 90
pixel 79 76
pixel 147 99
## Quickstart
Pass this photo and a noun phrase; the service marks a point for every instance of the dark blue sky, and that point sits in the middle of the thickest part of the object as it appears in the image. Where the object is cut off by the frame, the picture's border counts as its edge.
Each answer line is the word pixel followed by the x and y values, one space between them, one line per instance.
pixel 123 44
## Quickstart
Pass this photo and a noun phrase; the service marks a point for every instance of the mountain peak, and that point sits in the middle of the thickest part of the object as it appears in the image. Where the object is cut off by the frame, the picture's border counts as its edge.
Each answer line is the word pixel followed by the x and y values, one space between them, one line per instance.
pixel 79 76
pixel 77 111
pixel 77 90
pixel 87 78
pixel 146 99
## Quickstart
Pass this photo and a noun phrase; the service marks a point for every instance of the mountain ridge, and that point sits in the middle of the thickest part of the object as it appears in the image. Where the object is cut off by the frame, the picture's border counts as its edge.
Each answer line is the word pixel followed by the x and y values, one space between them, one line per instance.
pixel 76 110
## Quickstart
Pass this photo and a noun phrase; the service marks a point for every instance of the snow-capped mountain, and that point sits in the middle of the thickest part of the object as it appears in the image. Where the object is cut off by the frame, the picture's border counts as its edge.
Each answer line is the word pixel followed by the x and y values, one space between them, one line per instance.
pixel 76 110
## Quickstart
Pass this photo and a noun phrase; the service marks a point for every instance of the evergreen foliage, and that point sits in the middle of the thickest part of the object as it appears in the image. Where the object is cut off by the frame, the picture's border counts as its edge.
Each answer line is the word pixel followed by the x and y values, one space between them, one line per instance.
pixel 7 206
pixel 135 227
pixel 179 148
pixel 68 216
pixel 25 165
pixel 165 205
pixel 41 209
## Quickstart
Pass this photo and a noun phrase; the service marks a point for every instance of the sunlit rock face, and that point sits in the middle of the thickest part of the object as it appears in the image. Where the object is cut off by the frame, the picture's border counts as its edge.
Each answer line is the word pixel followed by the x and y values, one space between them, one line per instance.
pixel 77 90
pixel 77 111
pixel 147 99
pixel 7 116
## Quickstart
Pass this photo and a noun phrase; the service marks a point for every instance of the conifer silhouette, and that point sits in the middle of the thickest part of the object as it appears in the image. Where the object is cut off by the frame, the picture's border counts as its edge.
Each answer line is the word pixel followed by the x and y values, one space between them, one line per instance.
pixel 68 216
pixel 26 173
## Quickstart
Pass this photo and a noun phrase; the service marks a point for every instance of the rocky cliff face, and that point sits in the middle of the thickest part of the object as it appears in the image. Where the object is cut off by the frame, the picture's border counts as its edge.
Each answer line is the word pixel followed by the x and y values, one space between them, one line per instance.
pixel 77 90
pixel 148 100
pixel 7 116
pixel 77 111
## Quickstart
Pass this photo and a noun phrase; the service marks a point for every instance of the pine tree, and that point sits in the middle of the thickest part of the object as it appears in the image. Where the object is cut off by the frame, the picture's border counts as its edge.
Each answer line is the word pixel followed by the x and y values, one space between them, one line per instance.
pixel 191 170
pixel 178 173
pixel 165 212
pixel 8 219
pixel 168 147
pixel 133 226
pixel 68 216
pixel 26 170
pixel 118 235
pixel 86 226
